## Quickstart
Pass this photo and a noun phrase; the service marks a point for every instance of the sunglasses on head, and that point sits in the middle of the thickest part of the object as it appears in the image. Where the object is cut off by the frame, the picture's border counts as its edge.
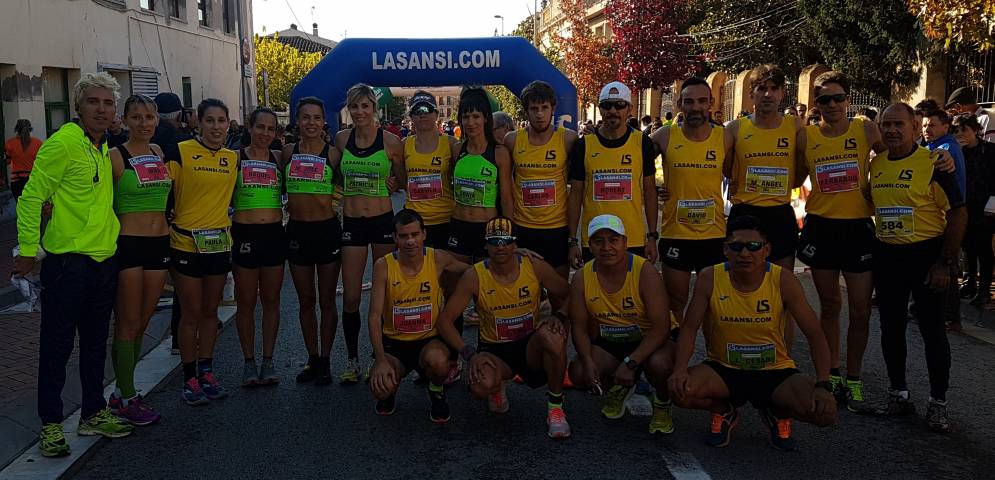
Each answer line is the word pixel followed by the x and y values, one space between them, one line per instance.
pixel 617 105
pixel 500 241
pixel 825 99
pixel 750 246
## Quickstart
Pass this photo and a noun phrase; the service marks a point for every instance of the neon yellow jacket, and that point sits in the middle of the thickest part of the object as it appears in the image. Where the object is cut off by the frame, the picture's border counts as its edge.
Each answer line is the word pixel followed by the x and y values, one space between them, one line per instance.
pixel 83 219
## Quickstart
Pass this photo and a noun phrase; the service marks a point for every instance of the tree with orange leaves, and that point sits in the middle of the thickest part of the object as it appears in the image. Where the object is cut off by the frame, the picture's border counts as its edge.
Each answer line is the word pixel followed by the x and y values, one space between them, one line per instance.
pixel 588 60
pixel 960 24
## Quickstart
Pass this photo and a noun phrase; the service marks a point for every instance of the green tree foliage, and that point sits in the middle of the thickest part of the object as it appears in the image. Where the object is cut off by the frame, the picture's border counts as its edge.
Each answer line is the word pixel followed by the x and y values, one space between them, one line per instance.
pixel 285 66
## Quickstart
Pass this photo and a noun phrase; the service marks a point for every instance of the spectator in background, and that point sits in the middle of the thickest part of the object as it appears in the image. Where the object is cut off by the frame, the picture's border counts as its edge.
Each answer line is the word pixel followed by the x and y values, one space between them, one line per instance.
pixel 922 108
pixel 394 127
pixel 632 123
pixel 801 109
pixel 963 100
pixel 668 118
pixel 871 114
pixel 116 133
pixel 790 111
pixel 503 123
pixel 647 122
pixel 235 133
pixel 20 151
pixel 719 117
pixel 979 163
pixel 278 138
pixel 813 116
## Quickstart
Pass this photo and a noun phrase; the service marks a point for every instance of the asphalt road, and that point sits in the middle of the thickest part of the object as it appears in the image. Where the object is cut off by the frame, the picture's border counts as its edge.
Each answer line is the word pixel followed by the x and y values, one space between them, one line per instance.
pixel 304 431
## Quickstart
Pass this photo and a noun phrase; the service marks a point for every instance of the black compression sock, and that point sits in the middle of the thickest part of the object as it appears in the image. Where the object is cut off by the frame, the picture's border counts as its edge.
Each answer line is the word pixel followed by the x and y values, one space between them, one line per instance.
pixel 835 371
pixel 189 370
pixel 205 365
pixel 853 378
pixel 350 325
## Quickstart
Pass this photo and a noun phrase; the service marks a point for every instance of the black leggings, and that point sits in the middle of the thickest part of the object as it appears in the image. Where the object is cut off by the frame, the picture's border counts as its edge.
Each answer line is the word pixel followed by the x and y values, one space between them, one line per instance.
pixel 900 270
pixel 980 257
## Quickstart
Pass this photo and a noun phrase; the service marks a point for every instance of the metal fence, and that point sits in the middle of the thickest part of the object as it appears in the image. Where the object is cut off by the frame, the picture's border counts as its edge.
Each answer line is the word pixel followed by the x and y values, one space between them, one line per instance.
pixel 860 99
pixel 975 70
pixel 790 96
pixel 729 99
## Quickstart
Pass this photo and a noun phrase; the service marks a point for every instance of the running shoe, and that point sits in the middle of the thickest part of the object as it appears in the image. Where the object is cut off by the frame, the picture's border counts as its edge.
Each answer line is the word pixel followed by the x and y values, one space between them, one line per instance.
pixel 386 406
pixel 250 375
pixel 351 374
pixel 104 423
pixel 498 402
pixel 137 413
pixel 52 441
pixel 556 420
pixel 267 374
pixel 856 401
pixel 439 413
pixel 193 394
pixel 662 420
pixel 309 373
pixel 323 372
pixel 455 373
pixel 898 405
pixel 211 387
pixel 936 416
pixel 567 382
pixel 721 429
pixel 518 379
pixel 115 402
pixel 839 389
pixel 614 405
pixel 780 431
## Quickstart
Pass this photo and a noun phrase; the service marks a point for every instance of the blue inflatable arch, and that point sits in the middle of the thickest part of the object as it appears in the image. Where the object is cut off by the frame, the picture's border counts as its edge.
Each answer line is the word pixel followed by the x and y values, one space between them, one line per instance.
pixel 395 62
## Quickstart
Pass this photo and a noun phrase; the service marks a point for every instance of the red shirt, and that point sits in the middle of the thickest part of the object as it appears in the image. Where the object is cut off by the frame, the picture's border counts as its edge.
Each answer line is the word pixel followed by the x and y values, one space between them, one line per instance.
pixel 22 160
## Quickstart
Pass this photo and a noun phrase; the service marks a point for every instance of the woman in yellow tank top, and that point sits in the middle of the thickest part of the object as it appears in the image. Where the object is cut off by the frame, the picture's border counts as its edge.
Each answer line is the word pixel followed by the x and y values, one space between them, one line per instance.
pixel 741 305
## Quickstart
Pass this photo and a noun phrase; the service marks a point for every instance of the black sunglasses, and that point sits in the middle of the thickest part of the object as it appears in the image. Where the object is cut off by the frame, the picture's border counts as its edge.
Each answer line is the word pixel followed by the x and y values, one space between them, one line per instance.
pixel 500 241
pixel 617 105
pixel 422 109
pixel 825 99
pixel 751 246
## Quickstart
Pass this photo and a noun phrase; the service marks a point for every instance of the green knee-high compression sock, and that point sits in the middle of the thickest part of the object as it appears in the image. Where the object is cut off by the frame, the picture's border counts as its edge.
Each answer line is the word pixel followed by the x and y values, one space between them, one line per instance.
pixel 124 367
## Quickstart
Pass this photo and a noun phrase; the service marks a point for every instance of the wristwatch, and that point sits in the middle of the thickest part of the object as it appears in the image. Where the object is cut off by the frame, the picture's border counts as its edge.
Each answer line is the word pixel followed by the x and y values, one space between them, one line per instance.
pixel 573 241
pixel 629 362
pixel 653 235
pixel 825 385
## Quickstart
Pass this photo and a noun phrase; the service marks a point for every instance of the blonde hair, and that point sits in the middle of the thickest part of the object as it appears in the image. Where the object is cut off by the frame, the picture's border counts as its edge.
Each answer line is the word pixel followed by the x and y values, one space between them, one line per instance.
pixel 95 80
pixel 358 91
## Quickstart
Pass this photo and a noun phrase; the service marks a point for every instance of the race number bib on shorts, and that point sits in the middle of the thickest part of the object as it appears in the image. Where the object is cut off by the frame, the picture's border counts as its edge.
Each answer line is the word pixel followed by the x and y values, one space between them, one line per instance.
pixel 837 177
pixel 469 192
pixel 149 169
pixel 696 212
pixel 751 357
pixel 612 187
pixel 509 329
pixel 361 183
pixel 425 187
pixel 767 180
pixel 538 193
pixel 416 319
pixel 617 333
pixel 259 173
pixel 307 167
pixel 895 222
pixel 215 240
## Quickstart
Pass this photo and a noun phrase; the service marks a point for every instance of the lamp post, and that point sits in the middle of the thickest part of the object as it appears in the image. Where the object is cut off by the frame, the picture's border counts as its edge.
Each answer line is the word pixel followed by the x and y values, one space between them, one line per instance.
pixel 502 23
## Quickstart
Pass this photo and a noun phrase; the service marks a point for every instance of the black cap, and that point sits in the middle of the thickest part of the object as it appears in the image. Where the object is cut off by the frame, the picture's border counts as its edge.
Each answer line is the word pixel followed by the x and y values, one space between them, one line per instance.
pixel 167 102
pixel 422 99
pixel 963 96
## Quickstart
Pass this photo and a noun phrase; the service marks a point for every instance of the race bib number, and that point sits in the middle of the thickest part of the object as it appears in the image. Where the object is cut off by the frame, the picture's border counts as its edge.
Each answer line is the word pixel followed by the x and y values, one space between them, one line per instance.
pixel 149 169
pixel 509 329
pixel 215 240
pixel 696 212
pixel 469 192
pixel 425 187
pixel 837 177
pixel 361 183
pixel 751 357
pixel 259 173
pixel 616 333
pixel 893 222
pixel 307 167
pixel 538 193
pixel 612 187
pixel 416 319
pixel 767 180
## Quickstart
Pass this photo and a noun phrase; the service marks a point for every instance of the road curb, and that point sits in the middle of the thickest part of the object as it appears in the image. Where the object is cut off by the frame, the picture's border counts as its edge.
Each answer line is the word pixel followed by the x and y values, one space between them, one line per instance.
pixel 154 367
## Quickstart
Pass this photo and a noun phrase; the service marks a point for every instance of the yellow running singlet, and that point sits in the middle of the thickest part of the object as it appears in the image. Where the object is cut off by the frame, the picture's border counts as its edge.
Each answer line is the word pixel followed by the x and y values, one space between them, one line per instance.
pixel 540 181
pixel 203 183
pixel 764 167
pixel 621 315
pixel 746 330
pixel 838 168
pixel 692 172
pixel 909 204
pixel 507 312
pixel 430 181
pixel 413 303
pixel 613 183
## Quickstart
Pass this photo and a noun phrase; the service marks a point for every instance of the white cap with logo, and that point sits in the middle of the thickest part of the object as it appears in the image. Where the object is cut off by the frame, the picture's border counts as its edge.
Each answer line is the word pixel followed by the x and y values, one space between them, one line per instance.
pixel 615 91
pixel 605 221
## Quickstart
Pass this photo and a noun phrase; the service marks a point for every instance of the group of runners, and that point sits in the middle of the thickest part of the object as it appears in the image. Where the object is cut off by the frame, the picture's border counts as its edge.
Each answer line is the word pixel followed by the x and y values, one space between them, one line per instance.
pixel 493 221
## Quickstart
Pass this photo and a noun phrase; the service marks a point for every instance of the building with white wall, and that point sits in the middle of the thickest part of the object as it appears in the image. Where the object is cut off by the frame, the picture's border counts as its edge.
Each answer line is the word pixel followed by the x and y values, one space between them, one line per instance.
pixel 194 48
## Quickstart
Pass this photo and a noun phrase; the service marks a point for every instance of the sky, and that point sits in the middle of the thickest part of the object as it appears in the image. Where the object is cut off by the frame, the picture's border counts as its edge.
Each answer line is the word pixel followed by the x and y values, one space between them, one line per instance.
pixel 338 19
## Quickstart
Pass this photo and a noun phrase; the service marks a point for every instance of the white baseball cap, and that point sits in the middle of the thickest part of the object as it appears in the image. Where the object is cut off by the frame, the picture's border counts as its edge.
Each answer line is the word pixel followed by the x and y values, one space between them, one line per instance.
pixel 615 91
pixel 607 220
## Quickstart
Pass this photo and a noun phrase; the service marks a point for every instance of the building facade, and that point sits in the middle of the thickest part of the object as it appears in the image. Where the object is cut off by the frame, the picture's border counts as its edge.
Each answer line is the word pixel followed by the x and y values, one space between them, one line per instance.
pixel 195 48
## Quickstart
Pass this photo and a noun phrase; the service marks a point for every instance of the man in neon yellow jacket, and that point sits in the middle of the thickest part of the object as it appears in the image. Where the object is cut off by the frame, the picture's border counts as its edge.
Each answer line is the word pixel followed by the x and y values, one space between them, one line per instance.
pixel 79 275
